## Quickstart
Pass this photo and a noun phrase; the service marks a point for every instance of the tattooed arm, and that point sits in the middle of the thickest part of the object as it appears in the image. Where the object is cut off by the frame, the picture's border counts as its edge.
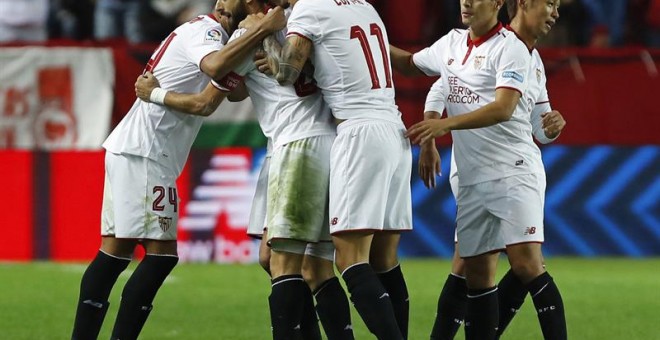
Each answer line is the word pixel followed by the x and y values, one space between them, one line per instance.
pixel 292 58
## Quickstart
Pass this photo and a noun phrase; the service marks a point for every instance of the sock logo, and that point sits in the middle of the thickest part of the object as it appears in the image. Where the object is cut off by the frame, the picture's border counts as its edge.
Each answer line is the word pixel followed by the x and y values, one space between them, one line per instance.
pixel 93 304
pixel 546 309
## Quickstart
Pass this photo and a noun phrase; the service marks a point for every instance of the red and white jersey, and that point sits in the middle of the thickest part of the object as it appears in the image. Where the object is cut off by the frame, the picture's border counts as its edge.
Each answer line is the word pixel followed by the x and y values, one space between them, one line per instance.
pixel 156 131
pixel 471 71
pixel 538 94
pixel 350 56
pixel 286 113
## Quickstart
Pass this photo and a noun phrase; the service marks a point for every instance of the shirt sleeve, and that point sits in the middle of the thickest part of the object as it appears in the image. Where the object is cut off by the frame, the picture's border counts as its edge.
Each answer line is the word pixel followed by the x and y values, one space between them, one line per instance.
pixel 248 64
pixel 304 22
pixel 204 40
pixel 513 67
pixel 435 99
pixel 541 106
pixel 428 60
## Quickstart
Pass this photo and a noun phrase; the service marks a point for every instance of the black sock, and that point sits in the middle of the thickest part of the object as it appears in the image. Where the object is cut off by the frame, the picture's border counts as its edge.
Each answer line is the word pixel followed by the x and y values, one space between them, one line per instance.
pixel 482 314
pixel 309 323
pixel 395 285
pixel 372 301
pixel 139 294
pixel 452 305
pixel 334 311
pixel 511 294
pixel 549 306
pixel 95 287
pixel 286 305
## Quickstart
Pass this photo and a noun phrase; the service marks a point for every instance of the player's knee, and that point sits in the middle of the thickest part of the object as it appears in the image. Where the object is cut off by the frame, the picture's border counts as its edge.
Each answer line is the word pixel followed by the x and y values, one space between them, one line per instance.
pixel 526 271
pixel 264 261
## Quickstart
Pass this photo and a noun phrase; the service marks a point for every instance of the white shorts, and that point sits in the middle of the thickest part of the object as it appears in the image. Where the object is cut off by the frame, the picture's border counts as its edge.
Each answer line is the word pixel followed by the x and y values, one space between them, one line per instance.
pixel 140 199
pixel 257 221
pixel 298 183
pixel 494 214
pixel 324 250
pixel 371 165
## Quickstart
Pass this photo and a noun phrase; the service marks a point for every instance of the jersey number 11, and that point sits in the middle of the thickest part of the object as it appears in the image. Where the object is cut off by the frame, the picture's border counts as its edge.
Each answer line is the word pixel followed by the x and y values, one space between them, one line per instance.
pixel 358 33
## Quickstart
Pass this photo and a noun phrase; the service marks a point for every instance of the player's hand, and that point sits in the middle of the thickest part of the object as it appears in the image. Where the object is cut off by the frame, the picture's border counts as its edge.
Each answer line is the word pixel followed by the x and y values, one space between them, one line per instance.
pixel 251 20
pixel 275 20
pixel 264 63
pixel 552 123
pixel 426 130
pixel 429 164
pixel 144 84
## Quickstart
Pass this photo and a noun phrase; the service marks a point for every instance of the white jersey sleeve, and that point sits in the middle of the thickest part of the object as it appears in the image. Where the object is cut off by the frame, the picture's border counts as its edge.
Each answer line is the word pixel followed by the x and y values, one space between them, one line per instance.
pixel 513 68
pixel 303 21
pixel 435 99
pixel 199 46
pixel 542 103
pixel 428 60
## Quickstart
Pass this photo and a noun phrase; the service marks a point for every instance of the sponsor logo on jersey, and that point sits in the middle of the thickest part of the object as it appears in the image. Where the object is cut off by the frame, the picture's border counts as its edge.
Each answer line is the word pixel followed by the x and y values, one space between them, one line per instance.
pixel 451 61
pixel 213 34
pixel 479 61
pixel 513 75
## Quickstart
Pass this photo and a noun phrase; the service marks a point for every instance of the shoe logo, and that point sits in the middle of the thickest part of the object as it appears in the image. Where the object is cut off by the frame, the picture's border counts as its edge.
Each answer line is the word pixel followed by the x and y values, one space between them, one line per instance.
pixel 348 327
pixel 384 295
pixel 297 326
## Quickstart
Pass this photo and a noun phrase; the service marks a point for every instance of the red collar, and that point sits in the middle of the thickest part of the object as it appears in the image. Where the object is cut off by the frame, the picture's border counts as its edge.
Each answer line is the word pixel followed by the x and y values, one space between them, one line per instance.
pixel 482 39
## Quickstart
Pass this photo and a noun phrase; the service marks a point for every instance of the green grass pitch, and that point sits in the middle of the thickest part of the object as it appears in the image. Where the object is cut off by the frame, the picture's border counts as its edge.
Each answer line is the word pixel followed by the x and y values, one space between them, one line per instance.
pixel 604 299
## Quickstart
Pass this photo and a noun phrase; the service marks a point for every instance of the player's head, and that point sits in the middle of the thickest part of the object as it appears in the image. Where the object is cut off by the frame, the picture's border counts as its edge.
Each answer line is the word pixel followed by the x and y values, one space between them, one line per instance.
pixel 534 16
pixel 480 13
pixel 282 3
pixel 233 12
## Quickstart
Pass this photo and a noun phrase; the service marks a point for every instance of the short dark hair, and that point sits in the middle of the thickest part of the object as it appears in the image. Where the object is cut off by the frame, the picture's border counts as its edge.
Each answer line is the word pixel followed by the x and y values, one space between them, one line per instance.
pixel 512 8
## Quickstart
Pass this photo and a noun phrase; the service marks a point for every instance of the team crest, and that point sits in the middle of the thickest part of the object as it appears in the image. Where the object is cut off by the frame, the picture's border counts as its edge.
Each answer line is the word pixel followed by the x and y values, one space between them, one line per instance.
pixel 539 74
pixel 165 223
pixel 479 61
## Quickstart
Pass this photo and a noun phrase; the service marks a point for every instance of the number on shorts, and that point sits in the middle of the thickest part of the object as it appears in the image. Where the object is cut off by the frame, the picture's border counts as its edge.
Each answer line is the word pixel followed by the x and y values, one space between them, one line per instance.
pixel 158 55
pixel 358 33
pixel 160 194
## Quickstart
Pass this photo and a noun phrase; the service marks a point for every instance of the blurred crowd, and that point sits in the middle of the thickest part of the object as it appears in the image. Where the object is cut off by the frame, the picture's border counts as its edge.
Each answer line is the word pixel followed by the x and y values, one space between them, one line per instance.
pixel 596 23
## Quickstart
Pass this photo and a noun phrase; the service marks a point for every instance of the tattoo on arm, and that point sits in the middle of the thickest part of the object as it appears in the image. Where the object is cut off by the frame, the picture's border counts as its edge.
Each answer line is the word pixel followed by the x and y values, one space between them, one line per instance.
pixel 295 53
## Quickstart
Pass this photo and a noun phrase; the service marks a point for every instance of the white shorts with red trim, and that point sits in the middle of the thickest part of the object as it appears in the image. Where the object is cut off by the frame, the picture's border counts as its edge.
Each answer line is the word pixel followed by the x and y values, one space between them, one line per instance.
pixel 257 221
pixel 140 199
pixel 370 171
pixel 494 214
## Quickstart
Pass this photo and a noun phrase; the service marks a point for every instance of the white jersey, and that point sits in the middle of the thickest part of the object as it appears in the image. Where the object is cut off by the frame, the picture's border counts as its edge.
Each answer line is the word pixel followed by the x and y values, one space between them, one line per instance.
pixel 286 113
pixel 156 131
pixel 471 72
pixel 435 101
pixel 350 56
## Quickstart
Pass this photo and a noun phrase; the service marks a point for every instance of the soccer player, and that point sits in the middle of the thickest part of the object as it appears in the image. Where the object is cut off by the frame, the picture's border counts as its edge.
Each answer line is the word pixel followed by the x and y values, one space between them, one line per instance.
pixel 370 201
pixel 529 20
pixel 299 123
pixel 145 155
pixel 485 71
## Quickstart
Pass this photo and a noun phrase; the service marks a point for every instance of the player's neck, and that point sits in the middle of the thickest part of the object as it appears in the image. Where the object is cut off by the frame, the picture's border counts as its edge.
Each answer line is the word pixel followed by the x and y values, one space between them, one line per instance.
pixel 478 31
pixel 525 35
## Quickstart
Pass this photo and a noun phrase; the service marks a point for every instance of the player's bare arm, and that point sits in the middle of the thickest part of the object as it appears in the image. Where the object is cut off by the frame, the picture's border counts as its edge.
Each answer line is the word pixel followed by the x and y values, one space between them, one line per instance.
pixel 402 62
pixel 219 64
pixel 552 123
pixel 198 104
pixel 496 112
pixel 429 157
pixel 295 53
pixel 239 93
